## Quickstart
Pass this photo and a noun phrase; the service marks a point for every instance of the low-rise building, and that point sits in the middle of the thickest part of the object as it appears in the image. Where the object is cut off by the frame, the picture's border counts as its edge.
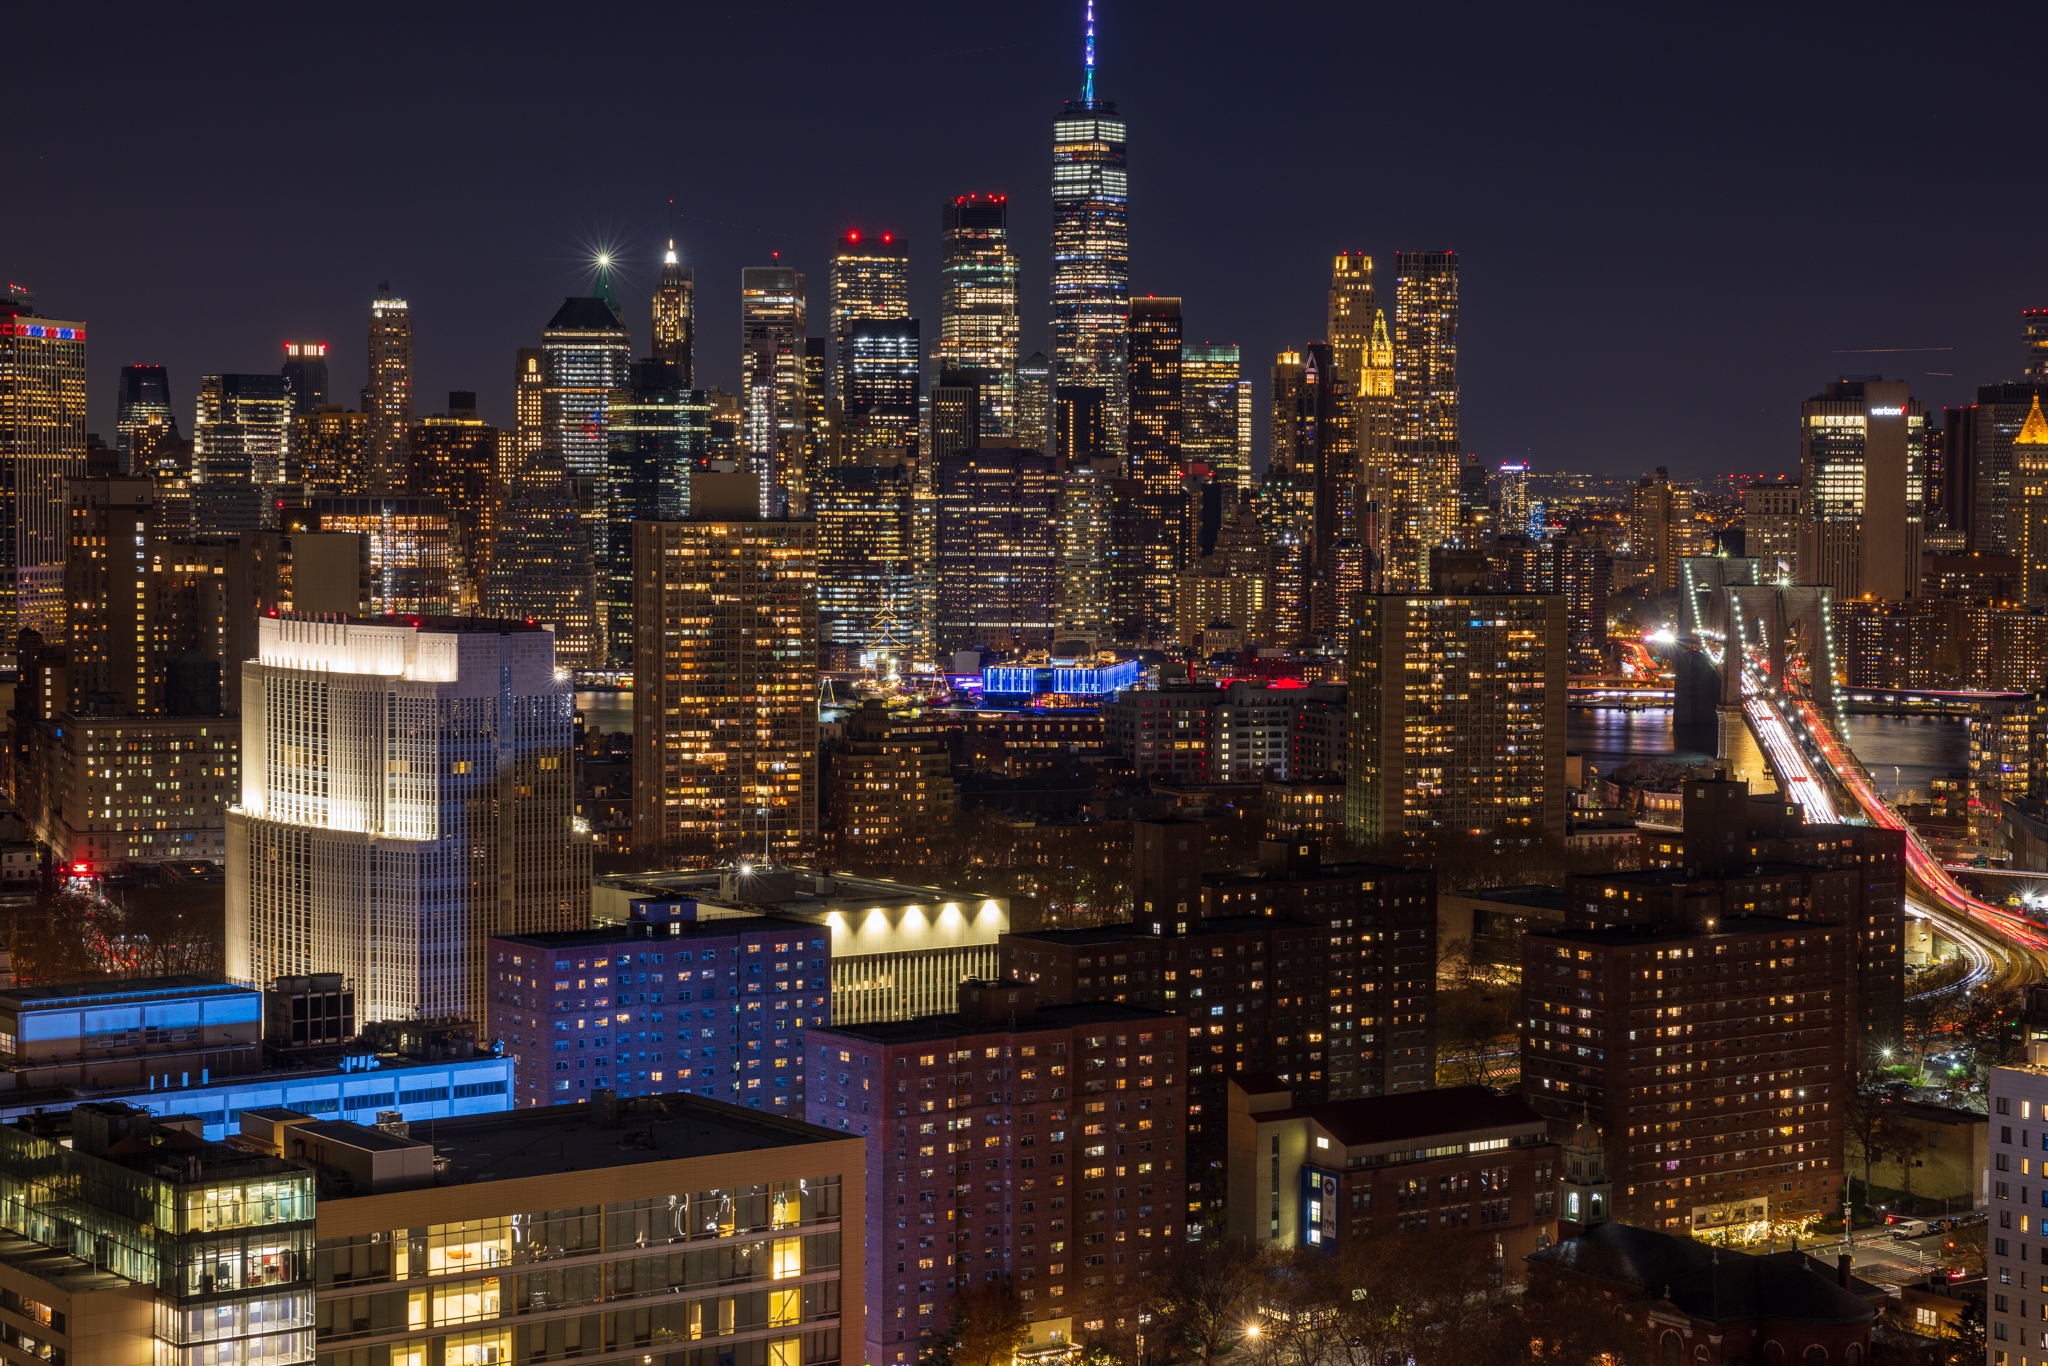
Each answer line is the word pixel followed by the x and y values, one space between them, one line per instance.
pixel 1929 1152
pixel 1463 1158
pixel 897 950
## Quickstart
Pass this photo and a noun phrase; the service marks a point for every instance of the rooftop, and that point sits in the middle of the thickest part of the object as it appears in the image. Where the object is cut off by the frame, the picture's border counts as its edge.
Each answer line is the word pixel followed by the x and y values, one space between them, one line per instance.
pixel 623 931
pixel 585 313
pixel 554 1139
pixel 1413 1114
pixel 1123 931
pixel 104 990
pixel 931 1028
pixel 1717 1285
pixel 1728 928
pixel 838 889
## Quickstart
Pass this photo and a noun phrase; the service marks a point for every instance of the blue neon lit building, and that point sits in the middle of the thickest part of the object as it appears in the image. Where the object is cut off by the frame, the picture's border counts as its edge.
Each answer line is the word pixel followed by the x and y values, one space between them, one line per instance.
pixel 1058 680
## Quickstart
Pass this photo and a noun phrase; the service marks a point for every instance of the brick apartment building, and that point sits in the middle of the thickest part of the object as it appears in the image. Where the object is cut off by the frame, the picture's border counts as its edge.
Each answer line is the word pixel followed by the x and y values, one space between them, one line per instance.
pixel 1041 1144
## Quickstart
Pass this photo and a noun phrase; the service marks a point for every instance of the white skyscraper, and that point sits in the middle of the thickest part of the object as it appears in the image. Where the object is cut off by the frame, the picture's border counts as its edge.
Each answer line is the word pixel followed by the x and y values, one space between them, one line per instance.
pixel 406 793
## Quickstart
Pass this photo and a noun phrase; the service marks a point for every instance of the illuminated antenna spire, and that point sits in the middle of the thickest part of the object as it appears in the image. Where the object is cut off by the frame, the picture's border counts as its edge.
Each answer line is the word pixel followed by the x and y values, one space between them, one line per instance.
pixel 670 259
pixel 1088 78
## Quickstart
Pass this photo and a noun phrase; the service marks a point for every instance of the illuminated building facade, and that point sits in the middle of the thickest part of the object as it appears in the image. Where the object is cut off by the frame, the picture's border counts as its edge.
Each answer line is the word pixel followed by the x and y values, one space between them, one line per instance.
pixel 879 361
pixel 2028 521
pixel 1156 396
pixel 331 447
pixel 387 398
pixel 1083 530
pixel 1213 391
pixel 660 433
pixel 1661 529
pixel 675 317
pixel 541 568
pixel 1861 445
pixel 529 413
pixel 147 427
pixel 241 452
pixel 1514 500
pixel 1771 519
pixel 1425 398
pixel 978 321
pixel 1352 309
pixel 998 508
pixel 725 754
pixel 869 570
pixel 1034 402
pixel 772 337
pixel 1458 718
pixel 415 566
pixel 305 375
pixel 454 458
pixel 406 793
pixel 870 282
pixel 1091 250
pixel 891 792
pixel 1228 593
pixel 42 444
pixel 585 355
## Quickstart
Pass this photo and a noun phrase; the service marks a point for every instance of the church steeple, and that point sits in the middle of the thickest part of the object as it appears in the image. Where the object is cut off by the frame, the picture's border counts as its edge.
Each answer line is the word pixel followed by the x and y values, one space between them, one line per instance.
pixel 1584 1197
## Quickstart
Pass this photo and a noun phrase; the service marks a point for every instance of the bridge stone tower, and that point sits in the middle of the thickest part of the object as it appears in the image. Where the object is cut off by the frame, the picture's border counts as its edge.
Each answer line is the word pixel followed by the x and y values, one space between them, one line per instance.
pixel 1786 633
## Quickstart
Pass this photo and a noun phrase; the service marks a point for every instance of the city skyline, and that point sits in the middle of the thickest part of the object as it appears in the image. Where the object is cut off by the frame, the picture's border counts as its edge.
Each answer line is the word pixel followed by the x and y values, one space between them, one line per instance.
pixel 480 253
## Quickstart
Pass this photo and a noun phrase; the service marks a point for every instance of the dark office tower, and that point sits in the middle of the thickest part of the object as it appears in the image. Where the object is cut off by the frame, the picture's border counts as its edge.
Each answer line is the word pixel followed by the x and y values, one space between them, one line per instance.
pixel 867 563
pixel 541 568
pixel 1425 408
pixel 1977 450
pixel 1091 252
pixel 453 456
pixel 1034 402
pixel 1860 451
pixel 659 434
pixel 305 376
pixel 42 444
pixel 241 443
pixel 1155 394
pixel 1137 560
pixel 387 398
pixel 878 383
pixel 870 281
pixel 996 543
pixel 2034 324
pixel 675 316
pixel 146 428
pixel 773 331
pixel 978 323
pixel 1079 430
pixel 956 410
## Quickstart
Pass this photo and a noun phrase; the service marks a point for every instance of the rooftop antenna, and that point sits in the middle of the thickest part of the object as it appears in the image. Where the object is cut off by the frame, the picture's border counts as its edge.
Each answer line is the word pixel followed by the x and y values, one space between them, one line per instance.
pixel 1088 78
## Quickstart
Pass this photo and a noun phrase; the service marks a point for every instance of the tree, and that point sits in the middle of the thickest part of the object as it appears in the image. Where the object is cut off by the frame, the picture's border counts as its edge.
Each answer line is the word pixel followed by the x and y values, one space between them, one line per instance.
pixel 1202 1296
pixel 1968 1331
pixel 1863 1115
pixel 985 1326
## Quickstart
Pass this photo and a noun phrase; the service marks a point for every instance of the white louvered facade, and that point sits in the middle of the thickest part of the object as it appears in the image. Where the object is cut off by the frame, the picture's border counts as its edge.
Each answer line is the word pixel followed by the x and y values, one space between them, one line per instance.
pixel 407 791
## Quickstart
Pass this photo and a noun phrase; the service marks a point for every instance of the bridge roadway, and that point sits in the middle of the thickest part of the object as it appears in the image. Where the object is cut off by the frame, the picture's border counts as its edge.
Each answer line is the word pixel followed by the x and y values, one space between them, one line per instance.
pixel 1792 734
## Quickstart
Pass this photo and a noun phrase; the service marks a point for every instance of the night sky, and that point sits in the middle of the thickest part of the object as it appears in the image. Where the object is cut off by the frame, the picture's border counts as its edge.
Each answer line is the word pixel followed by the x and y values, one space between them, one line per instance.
pixel 1675 223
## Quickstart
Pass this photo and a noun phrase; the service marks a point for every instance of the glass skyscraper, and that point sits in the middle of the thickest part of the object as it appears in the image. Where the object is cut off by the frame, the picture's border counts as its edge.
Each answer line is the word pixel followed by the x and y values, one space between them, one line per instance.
pixel 773 331
pixel 870 280
pixel 978 324
pixel 1212 386
pixel 878 384
pixel 146 425
pixel 241 450
pixel 660 432
pixel 305 374
pixel 1091 253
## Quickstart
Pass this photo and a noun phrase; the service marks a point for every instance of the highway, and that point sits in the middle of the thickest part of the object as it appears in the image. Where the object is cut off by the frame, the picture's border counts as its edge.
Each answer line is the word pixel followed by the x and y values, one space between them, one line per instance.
pixel 1924 870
